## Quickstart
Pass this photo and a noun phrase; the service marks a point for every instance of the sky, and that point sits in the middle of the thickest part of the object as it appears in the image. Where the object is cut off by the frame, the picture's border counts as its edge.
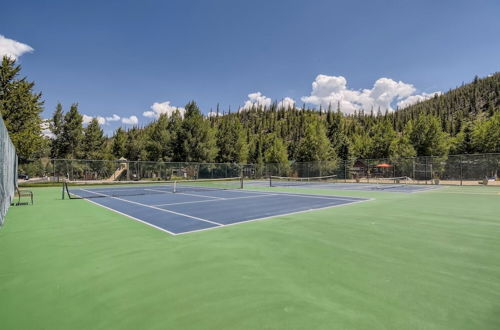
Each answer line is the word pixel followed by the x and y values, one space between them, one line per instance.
pixel 126 62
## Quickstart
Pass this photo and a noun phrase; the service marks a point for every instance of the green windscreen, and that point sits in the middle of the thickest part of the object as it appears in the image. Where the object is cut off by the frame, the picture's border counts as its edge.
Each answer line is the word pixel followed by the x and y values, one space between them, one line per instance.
pixel 8 171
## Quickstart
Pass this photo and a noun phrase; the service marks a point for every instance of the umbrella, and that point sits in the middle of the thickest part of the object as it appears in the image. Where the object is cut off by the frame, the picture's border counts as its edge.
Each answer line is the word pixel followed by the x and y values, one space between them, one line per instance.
pixel 383 165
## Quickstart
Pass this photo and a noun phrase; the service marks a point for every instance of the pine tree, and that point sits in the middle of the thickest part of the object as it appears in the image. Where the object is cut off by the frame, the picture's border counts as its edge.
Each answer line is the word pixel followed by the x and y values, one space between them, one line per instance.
pixel 93 141
pixel 56 127
pixel 72 134
pixel 135 146
pixel 361 146
pixel 174 128
pixel 276 154
pixel 118 147
pixel 315 145
pixel 196 137
pixel 231 141
pixel 159 146
pixel 427 137
pixel 401 148
pixel 463 142
pixel 486 135
pixel 382 135
pixel 20 108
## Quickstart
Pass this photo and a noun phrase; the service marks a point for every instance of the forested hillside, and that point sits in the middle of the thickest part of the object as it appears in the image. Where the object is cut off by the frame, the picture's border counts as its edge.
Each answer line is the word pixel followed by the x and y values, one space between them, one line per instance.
pixel 476 100
pixel 463 120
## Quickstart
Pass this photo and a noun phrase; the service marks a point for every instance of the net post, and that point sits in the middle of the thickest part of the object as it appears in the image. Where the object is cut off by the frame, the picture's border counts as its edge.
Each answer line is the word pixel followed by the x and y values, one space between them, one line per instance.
pixel 175 187
pixel 270 181
pixel 63 187
pixel 241 182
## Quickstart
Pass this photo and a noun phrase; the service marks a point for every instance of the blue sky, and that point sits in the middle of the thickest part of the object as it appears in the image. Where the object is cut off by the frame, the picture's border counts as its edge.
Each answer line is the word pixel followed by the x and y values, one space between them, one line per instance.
pixel 122 57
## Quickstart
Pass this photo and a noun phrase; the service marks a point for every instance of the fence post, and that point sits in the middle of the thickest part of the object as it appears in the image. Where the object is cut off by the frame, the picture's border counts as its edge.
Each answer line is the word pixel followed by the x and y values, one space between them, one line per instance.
pixel 345 171
pixel 413 162
pixel 461 170
pixel 425 173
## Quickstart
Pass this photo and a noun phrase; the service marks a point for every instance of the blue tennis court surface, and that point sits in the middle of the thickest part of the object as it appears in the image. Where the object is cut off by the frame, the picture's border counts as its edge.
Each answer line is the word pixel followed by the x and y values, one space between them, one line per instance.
pixel 185 212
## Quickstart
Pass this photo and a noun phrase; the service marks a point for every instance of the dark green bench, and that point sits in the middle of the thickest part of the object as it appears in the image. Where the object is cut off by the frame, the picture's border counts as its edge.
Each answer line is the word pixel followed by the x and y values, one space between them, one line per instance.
pixel 23 193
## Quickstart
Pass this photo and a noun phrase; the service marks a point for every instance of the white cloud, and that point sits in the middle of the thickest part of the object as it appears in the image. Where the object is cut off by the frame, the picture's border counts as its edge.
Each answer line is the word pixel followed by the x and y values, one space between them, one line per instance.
pixel 132 120
pixel 87 119
pixel 256 99
pixel 163 108
pixel 286 103
pixel 46 132
pixel 213 114
pixel 114 117
pixel 12 48
pixel 101 120
pixel 416 98
pixel 333 90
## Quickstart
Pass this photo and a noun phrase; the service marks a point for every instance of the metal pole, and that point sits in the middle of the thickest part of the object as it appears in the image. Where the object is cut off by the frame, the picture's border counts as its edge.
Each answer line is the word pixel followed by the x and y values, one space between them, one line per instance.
pixel 345 171
pixel 461 170
pixel 414 177
pixel 425 173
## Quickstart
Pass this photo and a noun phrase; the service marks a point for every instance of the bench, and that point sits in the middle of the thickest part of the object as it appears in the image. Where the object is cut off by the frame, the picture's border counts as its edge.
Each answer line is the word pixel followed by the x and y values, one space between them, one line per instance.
pixel 23 193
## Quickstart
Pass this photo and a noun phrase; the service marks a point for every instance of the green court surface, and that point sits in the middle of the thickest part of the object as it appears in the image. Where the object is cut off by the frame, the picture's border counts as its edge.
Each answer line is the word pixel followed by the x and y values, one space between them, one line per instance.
pixel 428 260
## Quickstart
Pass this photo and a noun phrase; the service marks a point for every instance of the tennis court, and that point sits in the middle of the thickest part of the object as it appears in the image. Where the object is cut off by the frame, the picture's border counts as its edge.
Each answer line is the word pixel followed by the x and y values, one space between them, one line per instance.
pixel 395 185
pixel 179 209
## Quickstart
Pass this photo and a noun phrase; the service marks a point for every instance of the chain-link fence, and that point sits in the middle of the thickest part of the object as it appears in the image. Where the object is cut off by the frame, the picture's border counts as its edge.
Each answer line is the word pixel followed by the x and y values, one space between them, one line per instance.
pixel 452 170
pixel 8 170
pixel 56 170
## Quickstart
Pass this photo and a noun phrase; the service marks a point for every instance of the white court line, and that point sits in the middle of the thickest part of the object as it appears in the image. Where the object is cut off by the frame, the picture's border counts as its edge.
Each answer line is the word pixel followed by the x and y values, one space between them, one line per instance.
pixel 218 225
pixel 220 199
pixel 195 195
pixel 298 194
pixel 309 195
pixel 277 215
pixel 158 190
pixel 469 193
pixel 129 216
pixel 157 208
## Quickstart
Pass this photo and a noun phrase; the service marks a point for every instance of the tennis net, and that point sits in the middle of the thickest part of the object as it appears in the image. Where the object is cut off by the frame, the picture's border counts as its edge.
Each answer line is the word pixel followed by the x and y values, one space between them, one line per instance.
pixel 282 181
pixel 396 180
pixel 85 190
pixel 390 183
